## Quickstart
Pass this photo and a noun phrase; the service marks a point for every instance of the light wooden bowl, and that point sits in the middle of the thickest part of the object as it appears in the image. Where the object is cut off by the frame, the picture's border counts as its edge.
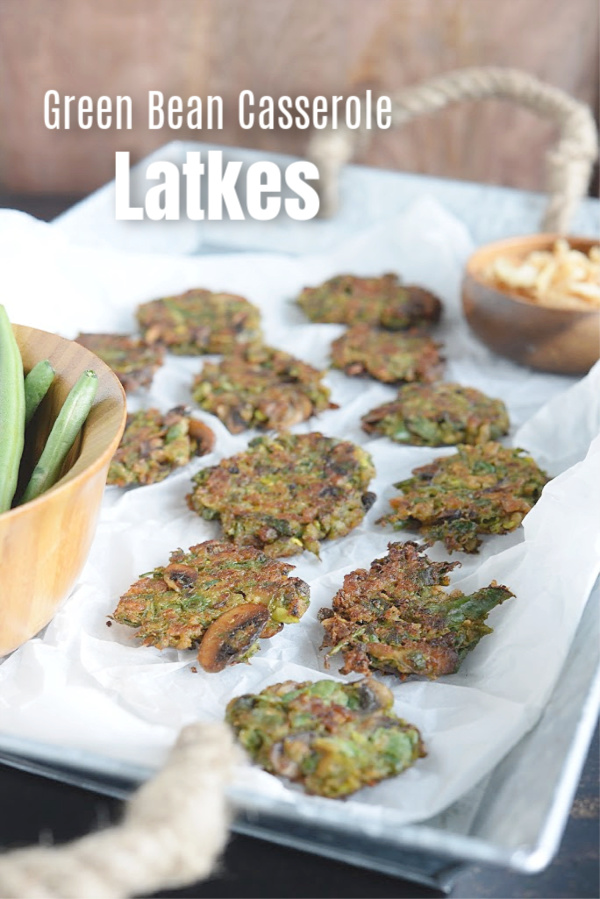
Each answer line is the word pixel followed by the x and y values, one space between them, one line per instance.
pixel 44 543
pixel 565 341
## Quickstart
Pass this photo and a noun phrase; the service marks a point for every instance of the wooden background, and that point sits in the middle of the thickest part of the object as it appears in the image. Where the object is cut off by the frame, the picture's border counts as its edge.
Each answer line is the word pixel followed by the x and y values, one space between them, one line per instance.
pixel 283 47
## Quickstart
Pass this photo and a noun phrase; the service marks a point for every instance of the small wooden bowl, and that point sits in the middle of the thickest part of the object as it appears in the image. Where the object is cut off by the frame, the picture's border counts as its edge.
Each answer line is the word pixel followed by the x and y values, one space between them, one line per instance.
pixel 44 543
pixel 566 341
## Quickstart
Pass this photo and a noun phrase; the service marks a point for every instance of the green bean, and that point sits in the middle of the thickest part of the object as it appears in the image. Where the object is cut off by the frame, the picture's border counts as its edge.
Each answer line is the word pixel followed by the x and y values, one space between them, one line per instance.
pixel 37 384
pixel 69 422
pixel 12 411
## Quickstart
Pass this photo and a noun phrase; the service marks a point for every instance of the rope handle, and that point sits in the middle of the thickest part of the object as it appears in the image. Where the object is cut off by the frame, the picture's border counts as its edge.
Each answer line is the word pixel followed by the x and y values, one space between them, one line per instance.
pixel 175 827
pixel 174 830
pixel 569 162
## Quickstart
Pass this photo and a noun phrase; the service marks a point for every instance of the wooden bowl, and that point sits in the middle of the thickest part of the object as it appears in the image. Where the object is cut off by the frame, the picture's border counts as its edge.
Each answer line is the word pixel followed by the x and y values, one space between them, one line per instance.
pixel 566 341
pixel 44 543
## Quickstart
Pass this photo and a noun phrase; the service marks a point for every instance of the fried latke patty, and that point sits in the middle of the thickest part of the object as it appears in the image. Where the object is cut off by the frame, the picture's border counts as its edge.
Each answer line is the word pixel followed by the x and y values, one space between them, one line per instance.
pixel 332 738
pixel 261 387
pixel 439 414
pixel 218 595
pixel 286 493
pixel 384 301
pixel 199 321
pixel 483 489
pixel 133 361
pixel 386 355
pixel 154 444
pixel 398 619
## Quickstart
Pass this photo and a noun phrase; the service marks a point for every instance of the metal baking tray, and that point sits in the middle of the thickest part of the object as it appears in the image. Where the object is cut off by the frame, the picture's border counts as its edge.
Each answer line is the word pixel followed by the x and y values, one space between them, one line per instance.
pixel 515 817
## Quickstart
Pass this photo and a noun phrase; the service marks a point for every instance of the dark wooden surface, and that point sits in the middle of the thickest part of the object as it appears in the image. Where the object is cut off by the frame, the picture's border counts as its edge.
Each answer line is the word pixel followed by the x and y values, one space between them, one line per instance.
pixel 285 47
pixel 42 810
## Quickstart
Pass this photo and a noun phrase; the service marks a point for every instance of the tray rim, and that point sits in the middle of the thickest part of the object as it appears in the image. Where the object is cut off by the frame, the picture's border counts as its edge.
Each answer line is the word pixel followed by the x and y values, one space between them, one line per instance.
pixel 266 820
pixel 35 756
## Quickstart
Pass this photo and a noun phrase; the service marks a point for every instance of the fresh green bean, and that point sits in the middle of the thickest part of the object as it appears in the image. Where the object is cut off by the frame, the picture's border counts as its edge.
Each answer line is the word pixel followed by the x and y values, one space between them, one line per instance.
pixel 37 384
pixel 68 423
pixel 12 411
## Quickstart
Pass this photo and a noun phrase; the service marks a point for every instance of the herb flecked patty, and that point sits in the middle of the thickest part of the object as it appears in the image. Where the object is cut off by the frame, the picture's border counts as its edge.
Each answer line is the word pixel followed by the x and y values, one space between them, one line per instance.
pixel 332 738
pixel 439 414
pixel 286 493
pixel 484 489
pixel 221 596
pixel 153 445
pixel 386 355
pixel 261 387
pixel 397 618
pixel 199 321
pixel 384 301
pixel 131 359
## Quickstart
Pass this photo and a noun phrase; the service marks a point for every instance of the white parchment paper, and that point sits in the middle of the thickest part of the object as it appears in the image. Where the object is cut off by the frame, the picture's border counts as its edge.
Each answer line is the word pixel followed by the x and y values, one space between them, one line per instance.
pixel 84 687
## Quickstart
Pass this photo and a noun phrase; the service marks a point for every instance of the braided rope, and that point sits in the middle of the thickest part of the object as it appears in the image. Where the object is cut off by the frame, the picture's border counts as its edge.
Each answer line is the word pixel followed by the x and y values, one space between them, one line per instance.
pixel 174 829
pixel 569 163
